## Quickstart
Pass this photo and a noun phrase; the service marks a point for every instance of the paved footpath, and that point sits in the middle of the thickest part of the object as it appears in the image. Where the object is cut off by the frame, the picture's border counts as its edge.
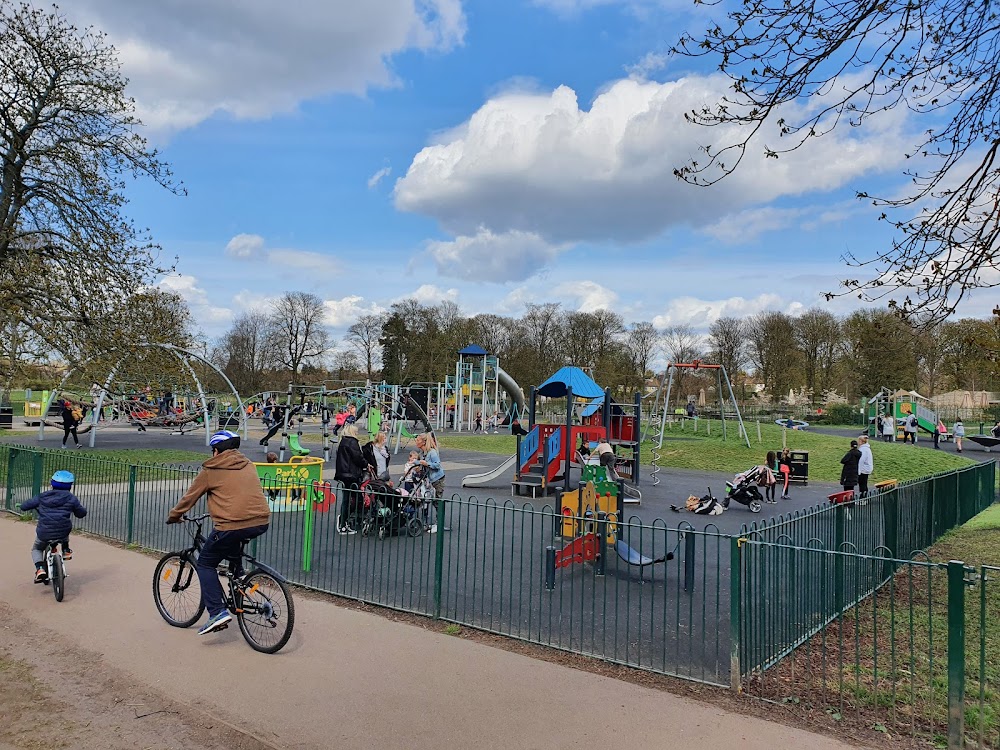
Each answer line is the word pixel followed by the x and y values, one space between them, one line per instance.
pixel 349 679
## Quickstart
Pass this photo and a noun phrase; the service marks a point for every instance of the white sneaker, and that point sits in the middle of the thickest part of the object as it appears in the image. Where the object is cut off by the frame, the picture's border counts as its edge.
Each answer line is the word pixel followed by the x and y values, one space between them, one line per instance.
pixel 432 529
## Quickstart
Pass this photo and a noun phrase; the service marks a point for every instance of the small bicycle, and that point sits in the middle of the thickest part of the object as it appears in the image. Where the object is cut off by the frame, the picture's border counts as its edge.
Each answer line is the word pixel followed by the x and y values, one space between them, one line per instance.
pixel 260 599
pixel 56 567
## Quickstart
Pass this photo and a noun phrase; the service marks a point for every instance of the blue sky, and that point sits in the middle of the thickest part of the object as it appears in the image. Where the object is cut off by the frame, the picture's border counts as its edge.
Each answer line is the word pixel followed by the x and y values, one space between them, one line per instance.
pixel 492 153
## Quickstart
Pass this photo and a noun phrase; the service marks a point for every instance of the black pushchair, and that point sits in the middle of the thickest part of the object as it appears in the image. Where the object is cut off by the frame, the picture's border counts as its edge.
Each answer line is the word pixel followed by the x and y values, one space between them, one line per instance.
pixel 388 512
pixel 743 489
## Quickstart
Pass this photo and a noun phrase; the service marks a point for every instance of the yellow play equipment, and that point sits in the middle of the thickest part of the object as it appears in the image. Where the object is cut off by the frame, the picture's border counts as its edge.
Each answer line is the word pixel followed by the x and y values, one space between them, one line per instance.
pixel 581 507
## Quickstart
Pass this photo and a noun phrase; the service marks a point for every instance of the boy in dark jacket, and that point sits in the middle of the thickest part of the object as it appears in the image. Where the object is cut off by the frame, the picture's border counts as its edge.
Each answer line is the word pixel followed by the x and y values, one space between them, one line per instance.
pixel 55 510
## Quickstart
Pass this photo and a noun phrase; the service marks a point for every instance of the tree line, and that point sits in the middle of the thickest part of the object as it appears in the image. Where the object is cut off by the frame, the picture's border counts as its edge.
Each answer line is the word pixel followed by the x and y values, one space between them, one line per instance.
pixel 766 355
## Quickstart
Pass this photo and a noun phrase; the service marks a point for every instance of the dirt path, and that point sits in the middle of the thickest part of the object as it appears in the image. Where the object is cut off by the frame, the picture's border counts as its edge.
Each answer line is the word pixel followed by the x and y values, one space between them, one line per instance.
pixel 347 679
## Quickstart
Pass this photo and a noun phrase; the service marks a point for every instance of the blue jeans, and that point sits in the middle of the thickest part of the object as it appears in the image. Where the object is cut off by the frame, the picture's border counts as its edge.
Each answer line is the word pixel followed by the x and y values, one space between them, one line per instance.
pixel 221 545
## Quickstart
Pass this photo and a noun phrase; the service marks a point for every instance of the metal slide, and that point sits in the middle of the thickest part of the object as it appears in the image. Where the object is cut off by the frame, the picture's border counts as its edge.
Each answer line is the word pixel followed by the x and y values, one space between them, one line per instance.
pixel 479 480
pixel 512 388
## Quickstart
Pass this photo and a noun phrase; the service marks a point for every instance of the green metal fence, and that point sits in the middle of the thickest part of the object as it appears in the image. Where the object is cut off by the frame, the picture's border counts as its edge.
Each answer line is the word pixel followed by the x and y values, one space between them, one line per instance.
pixel 808 606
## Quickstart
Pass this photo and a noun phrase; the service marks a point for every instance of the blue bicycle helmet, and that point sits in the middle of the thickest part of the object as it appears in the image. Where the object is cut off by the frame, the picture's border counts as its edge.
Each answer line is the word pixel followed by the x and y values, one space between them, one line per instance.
pixel 62 480
pixel 224 440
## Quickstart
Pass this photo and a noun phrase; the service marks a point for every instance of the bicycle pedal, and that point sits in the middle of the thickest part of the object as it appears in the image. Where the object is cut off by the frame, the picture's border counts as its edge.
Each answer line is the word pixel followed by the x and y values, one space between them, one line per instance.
pixel 221 628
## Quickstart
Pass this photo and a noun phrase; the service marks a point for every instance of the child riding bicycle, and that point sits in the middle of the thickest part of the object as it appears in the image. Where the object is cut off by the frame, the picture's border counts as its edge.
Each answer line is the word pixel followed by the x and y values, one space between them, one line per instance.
pixel 55 510
pixel 239 513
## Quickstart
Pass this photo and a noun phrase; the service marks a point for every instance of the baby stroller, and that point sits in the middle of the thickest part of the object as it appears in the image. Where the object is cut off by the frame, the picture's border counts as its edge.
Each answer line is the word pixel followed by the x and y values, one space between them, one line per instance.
pixel 384 510
pixel 743 489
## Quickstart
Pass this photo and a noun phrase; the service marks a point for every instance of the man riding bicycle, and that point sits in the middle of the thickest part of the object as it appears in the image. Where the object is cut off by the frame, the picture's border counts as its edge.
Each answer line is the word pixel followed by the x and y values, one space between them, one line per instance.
pixel 239 513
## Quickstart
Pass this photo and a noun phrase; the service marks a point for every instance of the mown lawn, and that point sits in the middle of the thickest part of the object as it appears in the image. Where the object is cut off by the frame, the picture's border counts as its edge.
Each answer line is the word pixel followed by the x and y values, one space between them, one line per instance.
pixel 883 666
pixel 685 449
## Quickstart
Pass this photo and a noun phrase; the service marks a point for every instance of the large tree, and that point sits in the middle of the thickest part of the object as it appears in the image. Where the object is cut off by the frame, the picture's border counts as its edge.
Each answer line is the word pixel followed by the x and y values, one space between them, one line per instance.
pixel 363 337
pixel 69 139
pixel 817 335
pixel 301 335
pixel 728 344
pixel 934 59
pixel 771 336
pixel 247 352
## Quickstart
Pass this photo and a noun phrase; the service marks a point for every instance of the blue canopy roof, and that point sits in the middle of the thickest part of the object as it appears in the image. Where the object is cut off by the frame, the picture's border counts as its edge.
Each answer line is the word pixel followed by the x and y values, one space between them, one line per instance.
pixel 473 350
pixel 570 377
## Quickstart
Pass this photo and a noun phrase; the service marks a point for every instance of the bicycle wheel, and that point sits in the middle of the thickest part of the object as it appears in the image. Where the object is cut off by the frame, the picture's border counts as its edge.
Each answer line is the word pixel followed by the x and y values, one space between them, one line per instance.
pixel 57 574
pixel 177 590
pixel 265 611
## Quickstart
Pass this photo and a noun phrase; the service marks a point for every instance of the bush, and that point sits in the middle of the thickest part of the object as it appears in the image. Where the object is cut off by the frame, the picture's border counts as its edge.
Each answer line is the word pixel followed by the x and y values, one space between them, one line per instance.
pixel 842 414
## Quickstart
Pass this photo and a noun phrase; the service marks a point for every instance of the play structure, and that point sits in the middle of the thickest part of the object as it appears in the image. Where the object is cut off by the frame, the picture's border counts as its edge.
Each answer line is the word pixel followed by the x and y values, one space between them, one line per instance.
pixel 900 404
pixel 474 390
pixel 297 486
pixel 657 424
pixel 547 455
pixel 114 401
pixel 591 522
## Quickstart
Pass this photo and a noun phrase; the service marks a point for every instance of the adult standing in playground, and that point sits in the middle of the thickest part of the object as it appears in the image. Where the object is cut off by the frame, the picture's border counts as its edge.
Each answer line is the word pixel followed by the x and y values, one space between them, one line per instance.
pixel 351 466
pixel 430 458
pixel 910 429
pixel 866 464
pixel 959 433
pixel 71 417
pixel 278 417
pixel 849 470
pixel 380 452
pixel 888 428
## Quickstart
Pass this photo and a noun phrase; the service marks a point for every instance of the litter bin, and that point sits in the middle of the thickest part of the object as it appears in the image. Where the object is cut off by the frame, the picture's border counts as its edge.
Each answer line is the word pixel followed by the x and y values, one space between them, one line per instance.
pixel 800 466
pixel 6 417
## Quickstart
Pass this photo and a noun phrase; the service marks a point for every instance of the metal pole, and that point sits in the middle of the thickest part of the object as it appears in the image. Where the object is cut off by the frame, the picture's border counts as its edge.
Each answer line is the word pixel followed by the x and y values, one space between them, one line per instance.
pixel 201 394
pixel 568 448
pixel 284 428
pixel 100 403
pixel 732 396
pixel 666 403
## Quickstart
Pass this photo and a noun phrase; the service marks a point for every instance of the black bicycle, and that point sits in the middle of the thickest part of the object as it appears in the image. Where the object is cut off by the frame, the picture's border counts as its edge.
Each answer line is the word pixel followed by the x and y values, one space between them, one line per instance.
pixel 260 599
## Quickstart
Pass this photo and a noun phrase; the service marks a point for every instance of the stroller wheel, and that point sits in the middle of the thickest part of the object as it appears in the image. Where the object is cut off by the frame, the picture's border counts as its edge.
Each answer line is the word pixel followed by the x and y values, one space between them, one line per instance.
pixel 754 506
pixel 414 527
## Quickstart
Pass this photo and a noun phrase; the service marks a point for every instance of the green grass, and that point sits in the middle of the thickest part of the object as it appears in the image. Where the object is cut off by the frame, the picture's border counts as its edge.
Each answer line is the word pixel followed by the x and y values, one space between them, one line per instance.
pixel 908 622
pixel 684 449
pixel 149 455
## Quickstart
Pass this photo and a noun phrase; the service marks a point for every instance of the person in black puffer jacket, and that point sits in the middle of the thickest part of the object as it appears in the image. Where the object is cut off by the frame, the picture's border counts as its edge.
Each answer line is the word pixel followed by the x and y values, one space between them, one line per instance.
pixel 55 510
pixel 849 474
pixel 351 466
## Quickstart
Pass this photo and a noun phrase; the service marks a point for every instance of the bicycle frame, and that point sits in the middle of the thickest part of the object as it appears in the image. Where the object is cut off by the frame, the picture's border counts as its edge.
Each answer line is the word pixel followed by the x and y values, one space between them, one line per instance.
pixel 198 542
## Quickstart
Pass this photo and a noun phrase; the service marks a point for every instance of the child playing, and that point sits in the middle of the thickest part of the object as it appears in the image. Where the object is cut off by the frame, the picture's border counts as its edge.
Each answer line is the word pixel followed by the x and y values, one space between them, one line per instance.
pixel 55 508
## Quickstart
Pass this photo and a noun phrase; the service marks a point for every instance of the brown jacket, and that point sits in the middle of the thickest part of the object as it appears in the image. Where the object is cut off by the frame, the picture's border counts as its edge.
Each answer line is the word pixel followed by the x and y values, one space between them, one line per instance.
pixel 235 497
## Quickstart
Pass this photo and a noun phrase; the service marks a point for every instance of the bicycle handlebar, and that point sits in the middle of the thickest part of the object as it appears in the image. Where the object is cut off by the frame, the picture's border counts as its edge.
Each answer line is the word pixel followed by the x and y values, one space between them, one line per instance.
pixel 196 518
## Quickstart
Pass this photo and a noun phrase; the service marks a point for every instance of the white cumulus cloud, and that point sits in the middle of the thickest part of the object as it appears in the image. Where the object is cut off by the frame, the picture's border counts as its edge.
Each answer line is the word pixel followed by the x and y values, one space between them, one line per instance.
pixel 586 296
pixel 430 294
pixel 202 309
pixel 539 163
pixel 343 312
pixel 485 256
pixel 700 313
pixel 245 246
pixel 188 60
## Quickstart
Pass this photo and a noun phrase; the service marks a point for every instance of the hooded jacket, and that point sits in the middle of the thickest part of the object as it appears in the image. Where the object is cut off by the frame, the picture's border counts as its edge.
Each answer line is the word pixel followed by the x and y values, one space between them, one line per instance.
pixel 849 474
pixel 351 462
pixel 235 497
pixel 55 509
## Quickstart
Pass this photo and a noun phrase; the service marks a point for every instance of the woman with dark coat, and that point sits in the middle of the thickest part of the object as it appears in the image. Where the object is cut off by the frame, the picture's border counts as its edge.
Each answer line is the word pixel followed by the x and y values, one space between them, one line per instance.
pixel 849 472
pixel 351 465
pixel 70 423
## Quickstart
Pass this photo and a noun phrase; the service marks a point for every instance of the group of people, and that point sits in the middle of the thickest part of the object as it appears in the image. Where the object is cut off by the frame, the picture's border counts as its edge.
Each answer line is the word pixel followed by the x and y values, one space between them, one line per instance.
pixel 857 466
pixel 361 457
pixel 776 464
